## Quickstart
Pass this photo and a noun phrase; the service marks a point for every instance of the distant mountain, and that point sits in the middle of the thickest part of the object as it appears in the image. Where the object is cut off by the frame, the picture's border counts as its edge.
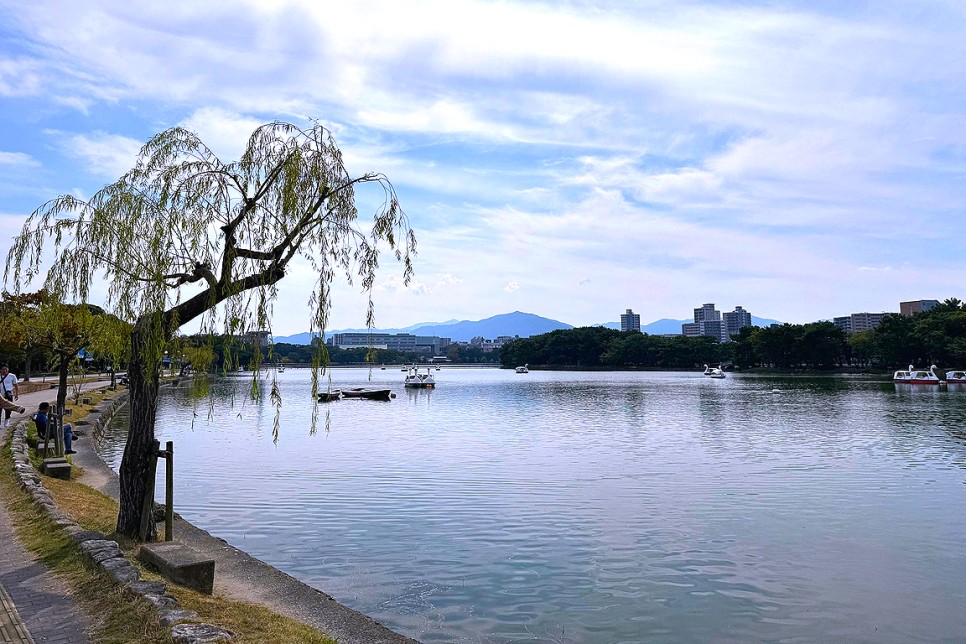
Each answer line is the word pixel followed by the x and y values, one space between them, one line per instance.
pixel 298 338
pixel 516 323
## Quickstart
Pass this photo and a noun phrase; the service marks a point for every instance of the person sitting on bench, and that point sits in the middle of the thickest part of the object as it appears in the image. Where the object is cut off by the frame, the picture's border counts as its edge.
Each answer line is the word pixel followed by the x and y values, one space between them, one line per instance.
pixel 41 420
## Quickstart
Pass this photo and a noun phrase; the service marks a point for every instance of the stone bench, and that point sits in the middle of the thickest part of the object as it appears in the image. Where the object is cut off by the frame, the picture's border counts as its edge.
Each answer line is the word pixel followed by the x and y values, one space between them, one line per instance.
pixel 57 468
pixel 180 564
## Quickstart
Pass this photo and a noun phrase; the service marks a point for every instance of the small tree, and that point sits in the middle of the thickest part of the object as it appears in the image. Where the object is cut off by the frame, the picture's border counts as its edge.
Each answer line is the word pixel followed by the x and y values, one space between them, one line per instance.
pixel 184 235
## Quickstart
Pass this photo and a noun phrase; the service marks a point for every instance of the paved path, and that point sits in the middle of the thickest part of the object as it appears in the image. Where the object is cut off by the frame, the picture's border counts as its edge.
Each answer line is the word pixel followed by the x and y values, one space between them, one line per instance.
pixel 35 606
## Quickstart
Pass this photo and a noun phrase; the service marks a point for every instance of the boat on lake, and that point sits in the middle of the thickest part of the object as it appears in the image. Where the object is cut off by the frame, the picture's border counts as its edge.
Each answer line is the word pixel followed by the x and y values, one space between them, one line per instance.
pixel 330 395
pixel 524 369
pixel 368 394
pixel 419 380
pixel 956 377
pixel 713 372
pixel 913 376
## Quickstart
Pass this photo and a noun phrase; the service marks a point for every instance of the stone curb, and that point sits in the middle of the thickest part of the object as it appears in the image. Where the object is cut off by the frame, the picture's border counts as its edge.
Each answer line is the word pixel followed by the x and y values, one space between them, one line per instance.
pixel 103 552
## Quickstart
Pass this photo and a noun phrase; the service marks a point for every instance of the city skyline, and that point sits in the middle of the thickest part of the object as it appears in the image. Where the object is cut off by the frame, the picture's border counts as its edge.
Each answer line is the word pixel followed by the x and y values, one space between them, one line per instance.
pixel 804 159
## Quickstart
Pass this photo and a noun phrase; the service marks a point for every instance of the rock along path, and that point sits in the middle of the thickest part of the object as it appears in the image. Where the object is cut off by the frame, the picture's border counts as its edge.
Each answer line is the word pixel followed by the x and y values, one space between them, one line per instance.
pixel 35 606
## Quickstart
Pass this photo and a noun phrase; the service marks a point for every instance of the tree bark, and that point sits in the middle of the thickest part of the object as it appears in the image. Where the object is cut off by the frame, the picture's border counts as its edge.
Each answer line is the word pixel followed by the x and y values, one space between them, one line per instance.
pixel 62 370
pixel 135 465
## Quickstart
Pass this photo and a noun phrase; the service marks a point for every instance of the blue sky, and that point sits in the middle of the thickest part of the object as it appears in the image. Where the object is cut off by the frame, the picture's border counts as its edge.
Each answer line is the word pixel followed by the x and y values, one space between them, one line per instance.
pixel 802 160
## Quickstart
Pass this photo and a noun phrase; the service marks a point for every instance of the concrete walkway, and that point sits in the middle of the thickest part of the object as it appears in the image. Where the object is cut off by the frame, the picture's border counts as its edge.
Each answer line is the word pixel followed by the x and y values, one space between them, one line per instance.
pixel 35 606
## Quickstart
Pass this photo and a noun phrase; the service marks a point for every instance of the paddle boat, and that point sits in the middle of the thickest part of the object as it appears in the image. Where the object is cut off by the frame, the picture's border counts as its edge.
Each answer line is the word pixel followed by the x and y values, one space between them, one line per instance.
pixel 913 376
pixel 956 377
pixel 524 369
pixel 419 380
pixel 713 372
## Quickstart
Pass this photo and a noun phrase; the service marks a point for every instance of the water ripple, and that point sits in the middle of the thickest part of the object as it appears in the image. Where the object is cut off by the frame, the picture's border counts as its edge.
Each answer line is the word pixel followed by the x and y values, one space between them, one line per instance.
pixel 601 507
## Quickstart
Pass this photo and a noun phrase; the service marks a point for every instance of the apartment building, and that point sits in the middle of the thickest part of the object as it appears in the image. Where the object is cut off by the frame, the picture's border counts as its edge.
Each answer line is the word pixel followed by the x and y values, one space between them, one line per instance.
pixel 630 321
pixel 859 321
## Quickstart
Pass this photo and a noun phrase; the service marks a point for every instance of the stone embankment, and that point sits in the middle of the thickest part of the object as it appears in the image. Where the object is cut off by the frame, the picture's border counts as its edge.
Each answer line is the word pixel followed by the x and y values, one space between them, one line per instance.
pixel 106 553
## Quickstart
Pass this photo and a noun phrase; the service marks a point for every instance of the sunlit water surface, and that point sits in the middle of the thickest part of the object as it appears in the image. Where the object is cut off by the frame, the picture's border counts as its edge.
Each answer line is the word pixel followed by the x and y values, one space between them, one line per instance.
pixel 595 507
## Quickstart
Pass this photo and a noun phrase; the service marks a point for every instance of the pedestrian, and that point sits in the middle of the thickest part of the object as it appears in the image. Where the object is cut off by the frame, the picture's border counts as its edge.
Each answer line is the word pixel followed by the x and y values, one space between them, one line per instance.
pixel 9 388
pixel 41 419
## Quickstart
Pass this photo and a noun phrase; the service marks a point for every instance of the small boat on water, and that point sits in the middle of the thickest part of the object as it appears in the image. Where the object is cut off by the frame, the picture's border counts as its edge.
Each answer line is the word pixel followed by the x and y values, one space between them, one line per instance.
pixel 330 395
pixel 368 394
pixel 713 372
pixel 414 378
pixel 524 369
pixel 956 377
pixel 913 376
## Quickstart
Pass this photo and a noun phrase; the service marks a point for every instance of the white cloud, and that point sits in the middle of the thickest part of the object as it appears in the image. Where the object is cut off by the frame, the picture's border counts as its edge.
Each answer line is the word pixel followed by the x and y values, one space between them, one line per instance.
pixel 670 152
pixel 225 132
pixel 511 286
pixel 20 77
pixel 17 159
pixel 110 155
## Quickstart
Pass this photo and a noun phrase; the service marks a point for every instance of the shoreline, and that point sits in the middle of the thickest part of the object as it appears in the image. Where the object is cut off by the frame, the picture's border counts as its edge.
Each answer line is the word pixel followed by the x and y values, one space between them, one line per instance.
pixel 238 575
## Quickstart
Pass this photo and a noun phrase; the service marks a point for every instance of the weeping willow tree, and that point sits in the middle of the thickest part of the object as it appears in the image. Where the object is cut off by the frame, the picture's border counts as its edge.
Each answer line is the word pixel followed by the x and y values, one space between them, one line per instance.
pixel 184 236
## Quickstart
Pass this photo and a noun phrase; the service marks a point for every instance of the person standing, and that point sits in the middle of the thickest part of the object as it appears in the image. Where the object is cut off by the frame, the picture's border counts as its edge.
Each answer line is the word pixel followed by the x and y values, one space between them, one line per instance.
pixel 9 388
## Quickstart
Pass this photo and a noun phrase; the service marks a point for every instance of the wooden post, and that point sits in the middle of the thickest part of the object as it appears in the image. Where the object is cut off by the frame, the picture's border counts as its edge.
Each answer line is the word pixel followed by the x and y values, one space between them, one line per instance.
pixel 169 491
pixel 147 510
pixel 55 431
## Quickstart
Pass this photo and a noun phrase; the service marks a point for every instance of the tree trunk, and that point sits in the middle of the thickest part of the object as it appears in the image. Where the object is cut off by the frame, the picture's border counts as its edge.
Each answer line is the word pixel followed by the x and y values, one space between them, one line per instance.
pixel 62 372
pixel 135 465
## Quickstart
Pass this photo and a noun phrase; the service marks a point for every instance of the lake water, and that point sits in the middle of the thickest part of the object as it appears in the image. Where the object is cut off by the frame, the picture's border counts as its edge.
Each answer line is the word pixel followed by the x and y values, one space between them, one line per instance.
pixel 596 507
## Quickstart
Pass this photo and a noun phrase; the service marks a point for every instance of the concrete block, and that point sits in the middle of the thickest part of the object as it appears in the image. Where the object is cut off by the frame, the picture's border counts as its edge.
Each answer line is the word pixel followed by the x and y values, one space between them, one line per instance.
pixel 57 468
pixel 178 563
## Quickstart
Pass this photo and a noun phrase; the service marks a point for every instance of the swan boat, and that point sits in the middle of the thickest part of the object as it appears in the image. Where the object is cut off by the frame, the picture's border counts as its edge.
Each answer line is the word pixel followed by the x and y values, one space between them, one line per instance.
pixel 419 380
pixel 524 369
pixel 713 372
pixel 913 376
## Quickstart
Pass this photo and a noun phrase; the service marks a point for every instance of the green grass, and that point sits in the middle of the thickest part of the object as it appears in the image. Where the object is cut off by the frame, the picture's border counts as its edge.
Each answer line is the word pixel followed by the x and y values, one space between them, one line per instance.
pixel 116 616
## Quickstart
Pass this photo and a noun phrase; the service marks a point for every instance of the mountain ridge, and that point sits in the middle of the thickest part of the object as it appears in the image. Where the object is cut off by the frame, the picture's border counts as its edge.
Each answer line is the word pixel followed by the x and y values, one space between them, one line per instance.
pixel 517 323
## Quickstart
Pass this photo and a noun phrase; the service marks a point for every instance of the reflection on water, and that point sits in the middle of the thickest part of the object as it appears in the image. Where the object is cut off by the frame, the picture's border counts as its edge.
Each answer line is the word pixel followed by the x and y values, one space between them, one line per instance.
pixel 597 507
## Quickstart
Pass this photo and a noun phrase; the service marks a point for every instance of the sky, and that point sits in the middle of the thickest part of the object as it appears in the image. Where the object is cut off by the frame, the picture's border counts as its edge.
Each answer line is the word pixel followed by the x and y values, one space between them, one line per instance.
pixel 803 160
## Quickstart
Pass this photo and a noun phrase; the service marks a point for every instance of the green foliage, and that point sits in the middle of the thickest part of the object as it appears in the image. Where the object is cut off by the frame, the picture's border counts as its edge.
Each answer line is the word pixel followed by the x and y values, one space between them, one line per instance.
pixel 937 337
pixel 602 347
pixel 185 236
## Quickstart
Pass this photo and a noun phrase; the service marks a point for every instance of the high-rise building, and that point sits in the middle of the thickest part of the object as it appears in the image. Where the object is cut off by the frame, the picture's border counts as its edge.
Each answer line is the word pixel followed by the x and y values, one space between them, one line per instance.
pixel 630 321
pixel 735 320
pixel 707 322
pixel 916 306
pixel 859 321
pixel 706 313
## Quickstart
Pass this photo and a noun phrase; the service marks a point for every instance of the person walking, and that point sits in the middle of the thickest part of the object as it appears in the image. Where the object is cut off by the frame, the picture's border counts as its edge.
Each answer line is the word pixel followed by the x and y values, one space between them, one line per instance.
pixel 9 388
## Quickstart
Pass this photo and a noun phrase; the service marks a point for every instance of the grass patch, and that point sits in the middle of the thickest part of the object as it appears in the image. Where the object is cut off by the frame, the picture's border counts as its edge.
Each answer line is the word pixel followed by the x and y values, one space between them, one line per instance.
pixel 118 617
pixel 115 616
pixel 93 510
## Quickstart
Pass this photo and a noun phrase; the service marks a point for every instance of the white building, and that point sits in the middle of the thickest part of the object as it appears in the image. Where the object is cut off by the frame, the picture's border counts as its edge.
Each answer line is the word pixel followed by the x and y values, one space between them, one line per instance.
pixel 859 321
pixel 630 321
pixel 707 322
pixel 735 321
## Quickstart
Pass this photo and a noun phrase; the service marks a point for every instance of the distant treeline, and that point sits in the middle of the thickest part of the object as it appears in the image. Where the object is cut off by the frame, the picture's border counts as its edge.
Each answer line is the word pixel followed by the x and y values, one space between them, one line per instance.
pixel 242 353
pixel 936 337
